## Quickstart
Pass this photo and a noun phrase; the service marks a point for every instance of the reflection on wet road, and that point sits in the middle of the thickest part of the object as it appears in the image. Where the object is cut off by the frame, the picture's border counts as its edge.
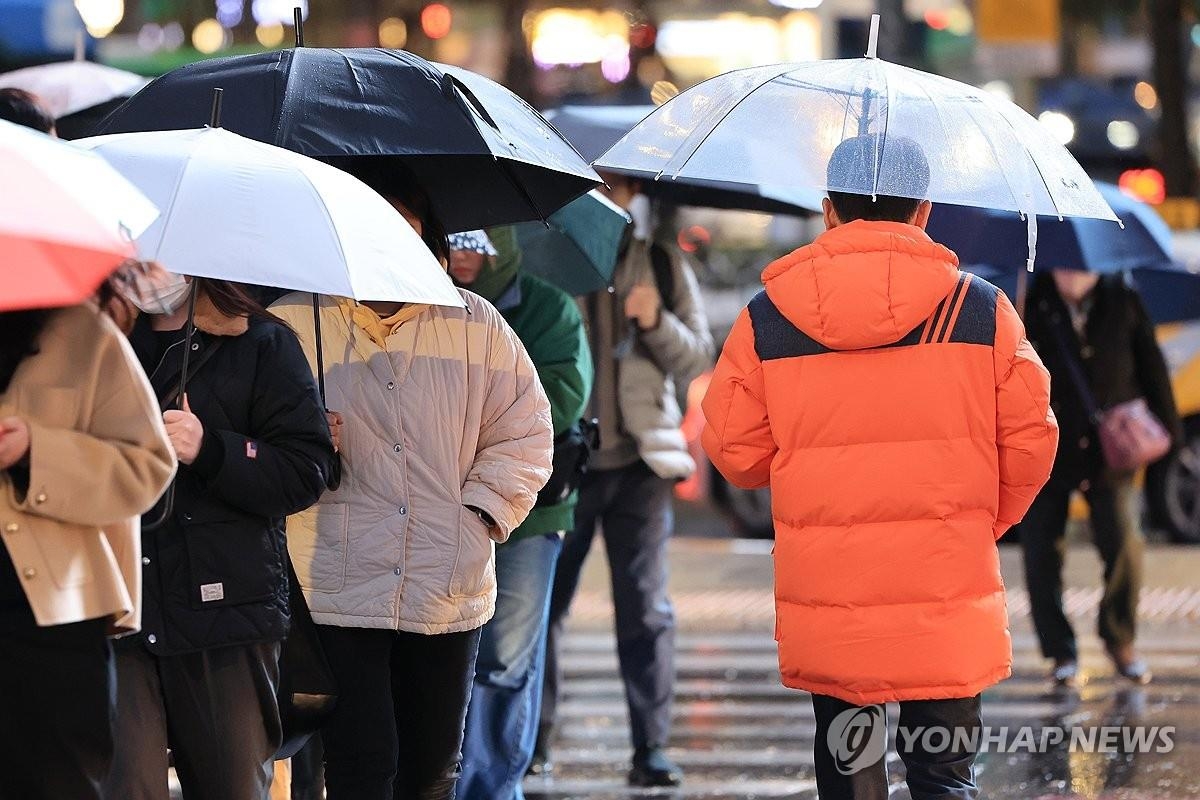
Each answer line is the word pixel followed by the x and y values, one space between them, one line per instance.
pixel 739 734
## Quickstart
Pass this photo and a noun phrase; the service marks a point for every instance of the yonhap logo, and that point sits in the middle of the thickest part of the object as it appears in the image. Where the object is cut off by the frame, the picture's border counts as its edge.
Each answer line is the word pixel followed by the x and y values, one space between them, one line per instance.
pixel 857 738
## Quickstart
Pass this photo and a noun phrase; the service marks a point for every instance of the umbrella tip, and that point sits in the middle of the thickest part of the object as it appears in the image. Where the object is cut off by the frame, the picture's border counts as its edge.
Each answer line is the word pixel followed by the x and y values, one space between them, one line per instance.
pixel 214 120
pixel 873 41
pixel 80 46
pixel 298 19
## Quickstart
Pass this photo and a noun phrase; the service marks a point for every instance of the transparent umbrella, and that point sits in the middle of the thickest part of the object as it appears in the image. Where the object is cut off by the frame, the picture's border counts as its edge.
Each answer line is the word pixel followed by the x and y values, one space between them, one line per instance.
pixel 778 126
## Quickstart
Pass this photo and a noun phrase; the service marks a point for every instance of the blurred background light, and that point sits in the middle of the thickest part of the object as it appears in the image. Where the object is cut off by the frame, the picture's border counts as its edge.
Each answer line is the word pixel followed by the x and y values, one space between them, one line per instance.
pixel 208 36
pixel 1145 95
pixel 101 16
pixel 570 36
pixel 1060 126
pixel 1147 185
pixel 436 20
pixel 393 33
pixel 151 37
pixel 1001 89
pixel 230 12
pixel 1123 134
pixel 277 12
pixel 269 36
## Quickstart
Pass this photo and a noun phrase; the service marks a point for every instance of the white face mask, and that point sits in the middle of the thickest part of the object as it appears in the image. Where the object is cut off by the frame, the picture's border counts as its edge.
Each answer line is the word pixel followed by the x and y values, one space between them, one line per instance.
pixel 155 291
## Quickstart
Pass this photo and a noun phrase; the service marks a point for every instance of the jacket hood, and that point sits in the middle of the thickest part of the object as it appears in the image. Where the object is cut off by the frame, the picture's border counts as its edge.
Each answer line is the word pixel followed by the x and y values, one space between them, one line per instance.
pixel 862 284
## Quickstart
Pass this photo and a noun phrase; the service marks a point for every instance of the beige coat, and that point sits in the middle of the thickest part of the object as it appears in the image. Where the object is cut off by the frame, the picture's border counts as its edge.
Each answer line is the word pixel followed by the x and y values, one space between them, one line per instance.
pixel 452 414
pixel 99 457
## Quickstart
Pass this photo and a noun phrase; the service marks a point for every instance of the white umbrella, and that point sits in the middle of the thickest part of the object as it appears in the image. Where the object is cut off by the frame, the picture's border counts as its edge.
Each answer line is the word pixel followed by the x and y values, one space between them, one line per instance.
pixel 66 87
pixel 777 127
pixel 240 210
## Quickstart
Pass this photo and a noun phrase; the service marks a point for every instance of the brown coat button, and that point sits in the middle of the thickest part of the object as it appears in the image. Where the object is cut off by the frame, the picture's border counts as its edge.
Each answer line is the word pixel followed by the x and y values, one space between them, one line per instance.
pixel 30 573
pixel 41 498
pixel 12 527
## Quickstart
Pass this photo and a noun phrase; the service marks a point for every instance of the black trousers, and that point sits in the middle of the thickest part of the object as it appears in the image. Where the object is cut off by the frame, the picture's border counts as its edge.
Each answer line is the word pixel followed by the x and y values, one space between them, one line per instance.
pixel 849 769
pixel 1117 534
pixel 633 506
pixel 216 710
pixel 56 729
pixel 397 730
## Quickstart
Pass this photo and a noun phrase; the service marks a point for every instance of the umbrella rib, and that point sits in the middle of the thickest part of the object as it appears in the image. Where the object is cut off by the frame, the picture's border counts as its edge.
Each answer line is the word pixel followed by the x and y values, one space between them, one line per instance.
pixel 1036 166
pixel 726 116
pixel 992 148
pixel 170 207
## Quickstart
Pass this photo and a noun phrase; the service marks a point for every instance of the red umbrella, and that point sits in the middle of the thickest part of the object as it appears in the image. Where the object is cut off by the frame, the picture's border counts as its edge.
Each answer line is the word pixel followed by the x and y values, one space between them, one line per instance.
pixel 67 220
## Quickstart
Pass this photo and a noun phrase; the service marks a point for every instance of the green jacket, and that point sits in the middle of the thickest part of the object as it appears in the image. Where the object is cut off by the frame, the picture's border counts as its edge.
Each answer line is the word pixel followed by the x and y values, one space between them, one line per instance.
pixel 549 324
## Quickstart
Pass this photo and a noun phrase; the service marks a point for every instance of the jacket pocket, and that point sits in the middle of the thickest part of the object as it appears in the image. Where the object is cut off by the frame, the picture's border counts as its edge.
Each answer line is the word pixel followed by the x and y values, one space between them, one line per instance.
pixel 318 539
pixel 231 561
pixel 474 565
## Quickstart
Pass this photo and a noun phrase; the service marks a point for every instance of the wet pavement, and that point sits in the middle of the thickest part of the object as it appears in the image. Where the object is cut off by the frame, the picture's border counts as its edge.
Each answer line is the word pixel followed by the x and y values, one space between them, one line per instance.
pixel 740 735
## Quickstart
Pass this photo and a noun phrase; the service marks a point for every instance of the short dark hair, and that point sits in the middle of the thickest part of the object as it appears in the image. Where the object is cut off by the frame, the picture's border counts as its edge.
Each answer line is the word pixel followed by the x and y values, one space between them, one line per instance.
pixel 894 195
pixel 21 107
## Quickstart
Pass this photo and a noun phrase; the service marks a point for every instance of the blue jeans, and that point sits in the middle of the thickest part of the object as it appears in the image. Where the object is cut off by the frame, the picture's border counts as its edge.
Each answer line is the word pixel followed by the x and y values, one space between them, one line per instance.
pixel 502 720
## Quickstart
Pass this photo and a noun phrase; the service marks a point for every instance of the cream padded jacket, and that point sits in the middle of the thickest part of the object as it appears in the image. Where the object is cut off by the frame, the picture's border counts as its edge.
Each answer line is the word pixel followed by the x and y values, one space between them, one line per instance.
pixel 451 415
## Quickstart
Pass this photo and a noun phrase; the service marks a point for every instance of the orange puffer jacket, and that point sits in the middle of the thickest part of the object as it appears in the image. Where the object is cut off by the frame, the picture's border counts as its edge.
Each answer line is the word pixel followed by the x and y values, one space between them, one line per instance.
pixel 903 423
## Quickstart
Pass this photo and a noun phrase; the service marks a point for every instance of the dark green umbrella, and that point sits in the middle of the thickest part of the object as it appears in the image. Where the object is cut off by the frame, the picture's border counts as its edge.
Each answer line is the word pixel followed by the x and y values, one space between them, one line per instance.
pixel 577 248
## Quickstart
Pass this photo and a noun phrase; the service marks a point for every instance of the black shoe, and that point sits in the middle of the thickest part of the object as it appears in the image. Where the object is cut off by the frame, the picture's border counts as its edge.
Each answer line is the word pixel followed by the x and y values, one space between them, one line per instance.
pixel 651 767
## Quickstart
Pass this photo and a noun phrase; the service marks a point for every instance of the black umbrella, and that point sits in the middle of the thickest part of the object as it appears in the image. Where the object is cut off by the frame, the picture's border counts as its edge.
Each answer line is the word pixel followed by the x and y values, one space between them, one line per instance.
pixel 484 155
pixel 594 129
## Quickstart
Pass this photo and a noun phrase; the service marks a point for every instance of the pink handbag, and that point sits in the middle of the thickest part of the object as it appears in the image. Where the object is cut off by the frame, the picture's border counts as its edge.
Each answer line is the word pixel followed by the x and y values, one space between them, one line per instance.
pixel 1131 437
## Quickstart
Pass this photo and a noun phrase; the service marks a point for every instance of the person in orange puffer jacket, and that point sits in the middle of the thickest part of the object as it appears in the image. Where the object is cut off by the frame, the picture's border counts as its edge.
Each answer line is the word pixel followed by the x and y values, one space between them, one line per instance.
pixel 903 423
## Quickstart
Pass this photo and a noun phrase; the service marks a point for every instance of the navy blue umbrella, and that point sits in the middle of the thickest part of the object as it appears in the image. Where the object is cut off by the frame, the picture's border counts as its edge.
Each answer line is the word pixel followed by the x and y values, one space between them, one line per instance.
pixel 993 245
pixel 484 155
pixel 594 129
pixel 998 238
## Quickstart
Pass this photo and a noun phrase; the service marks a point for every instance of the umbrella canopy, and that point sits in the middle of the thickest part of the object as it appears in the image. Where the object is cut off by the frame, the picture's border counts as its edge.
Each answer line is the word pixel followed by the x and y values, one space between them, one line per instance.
pixel 981 236
pixel 991 244
pixel 594 129
pixel 68 87
pixel 484 155
pixel 67 220
pixel 236 209
pixel 1170 294
pixel 577 251
pixel 779 126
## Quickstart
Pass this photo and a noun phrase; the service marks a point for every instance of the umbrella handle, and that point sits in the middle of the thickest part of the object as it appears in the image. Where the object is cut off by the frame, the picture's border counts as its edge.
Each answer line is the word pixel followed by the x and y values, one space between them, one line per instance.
pixel 189 330
pixel 334 479
pixel 316 306
pixel 168 499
